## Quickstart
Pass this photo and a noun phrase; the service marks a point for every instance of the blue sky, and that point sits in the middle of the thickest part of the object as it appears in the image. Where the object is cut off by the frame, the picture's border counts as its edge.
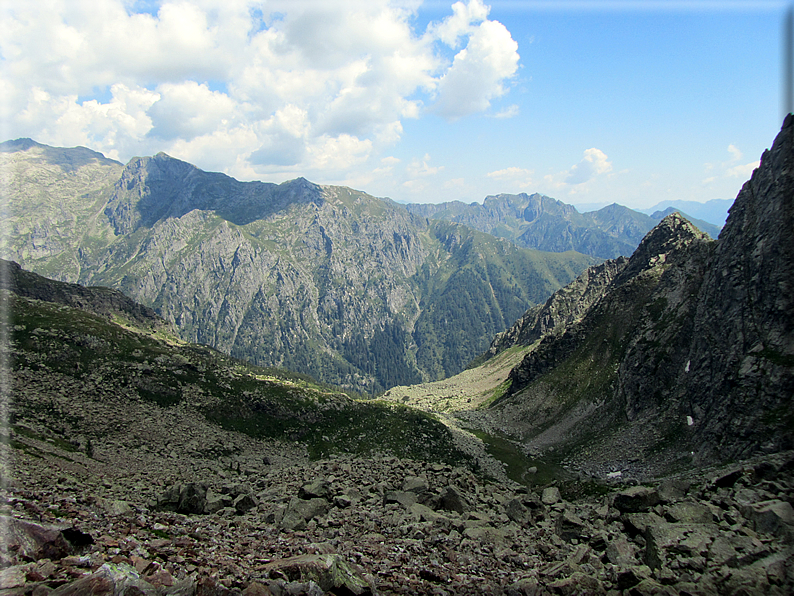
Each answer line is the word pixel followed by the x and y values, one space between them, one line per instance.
pixel 588 102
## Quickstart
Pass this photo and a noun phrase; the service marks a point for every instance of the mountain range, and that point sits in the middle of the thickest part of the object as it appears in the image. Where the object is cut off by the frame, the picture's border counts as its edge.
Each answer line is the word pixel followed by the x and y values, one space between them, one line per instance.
pixel 542 223
pixel 324 280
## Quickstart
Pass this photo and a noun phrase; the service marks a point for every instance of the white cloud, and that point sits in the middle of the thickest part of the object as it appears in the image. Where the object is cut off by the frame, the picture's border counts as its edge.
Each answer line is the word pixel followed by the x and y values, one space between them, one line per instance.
pixel 731 168
pixel 508 112
pixel 243 86
pixel 188 110
pixel 459 24
pixel 593 164
pixel 478 72
pixel 421 167
pixel 520 177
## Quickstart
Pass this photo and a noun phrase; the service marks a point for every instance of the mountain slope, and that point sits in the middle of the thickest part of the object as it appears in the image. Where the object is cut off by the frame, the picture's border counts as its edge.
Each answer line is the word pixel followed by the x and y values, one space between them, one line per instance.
pixel 542 223
pixel 76 356
pixel 688 355
pixel 318 279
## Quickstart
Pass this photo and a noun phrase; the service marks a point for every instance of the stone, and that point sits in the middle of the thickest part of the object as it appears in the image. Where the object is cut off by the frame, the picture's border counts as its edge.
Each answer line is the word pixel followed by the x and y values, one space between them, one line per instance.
pixel 317 489
pixel 329 571
pixel 578 584
pixel 721 551
pixel 300 511
pixel 636 499
pixel 192 498
pixel 689 512
pixel 673 489
pixel 569 526
pixel 488 535
pixel 452 500
pixel 117 507
pixel 214 502
pixel 550 496
pixel 650 587
pixel 257 589
pixel 342 501
pixel 109 580
pixel 244 503
pixel 620 552
pixel 772 517
pixel 666 541
pixel 423 513
pixel 415 484
pixel 13 577
pixel 35 541
pixel 517 511
pixel 404 498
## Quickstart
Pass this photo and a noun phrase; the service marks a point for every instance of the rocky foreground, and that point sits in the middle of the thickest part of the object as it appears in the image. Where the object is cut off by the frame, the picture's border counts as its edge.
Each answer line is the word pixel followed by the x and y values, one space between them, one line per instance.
pixel 286 525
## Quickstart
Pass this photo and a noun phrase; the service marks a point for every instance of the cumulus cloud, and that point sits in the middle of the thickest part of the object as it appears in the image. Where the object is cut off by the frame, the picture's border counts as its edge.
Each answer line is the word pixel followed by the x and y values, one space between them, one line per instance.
pixel 593 163
pixel 313 86
pixel 478 72
pixel 520 177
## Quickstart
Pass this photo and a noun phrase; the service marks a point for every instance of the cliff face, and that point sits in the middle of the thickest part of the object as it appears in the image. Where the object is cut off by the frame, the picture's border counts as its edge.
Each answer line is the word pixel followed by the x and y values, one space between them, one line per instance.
pixel 318 279
pixel 740 382
pixel 687 354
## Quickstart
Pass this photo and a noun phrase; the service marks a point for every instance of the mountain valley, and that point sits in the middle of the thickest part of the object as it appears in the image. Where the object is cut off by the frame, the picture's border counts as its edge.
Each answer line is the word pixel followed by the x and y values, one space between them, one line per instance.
pixel 630 434
pixel 328 281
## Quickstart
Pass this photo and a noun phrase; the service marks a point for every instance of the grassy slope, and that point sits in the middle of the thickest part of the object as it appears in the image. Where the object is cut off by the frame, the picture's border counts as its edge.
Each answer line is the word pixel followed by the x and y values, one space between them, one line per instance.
pixel 156 367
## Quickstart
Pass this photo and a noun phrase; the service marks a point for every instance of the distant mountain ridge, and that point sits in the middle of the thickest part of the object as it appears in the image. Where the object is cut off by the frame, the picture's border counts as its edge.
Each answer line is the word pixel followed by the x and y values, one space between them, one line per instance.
pixel 543 223
pixel 714 211
pixel 324 280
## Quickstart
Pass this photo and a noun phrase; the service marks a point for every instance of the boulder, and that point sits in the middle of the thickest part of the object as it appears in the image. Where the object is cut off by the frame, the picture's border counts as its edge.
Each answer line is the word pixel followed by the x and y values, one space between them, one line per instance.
pixel 39 541
pixel 689 512
pixel 415 484
pixel 569 526
pixel 578 584
pixel 452 500
pixel 551 495
pixel 518 512
pixel 636 499
pixel 300 511
pixel 317 489
pixel 192 498
pixel 109 580
pixel 404 498
pixel 329 571
pixel 244 503
pixel 215 502
pixel 772 517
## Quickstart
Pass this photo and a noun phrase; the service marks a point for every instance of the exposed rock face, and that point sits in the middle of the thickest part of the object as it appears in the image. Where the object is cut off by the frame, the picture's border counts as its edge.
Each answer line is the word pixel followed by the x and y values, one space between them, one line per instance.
pixel 742 352
pixel 692 340
pixel 564 308
pixel 326 280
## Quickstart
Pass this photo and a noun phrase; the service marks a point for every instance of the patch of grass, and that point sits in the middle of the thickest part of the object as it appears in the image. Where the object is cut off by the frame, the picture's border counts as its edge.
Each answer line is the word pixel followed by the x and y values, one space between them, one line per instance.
pixel 517 463
pixel 498 393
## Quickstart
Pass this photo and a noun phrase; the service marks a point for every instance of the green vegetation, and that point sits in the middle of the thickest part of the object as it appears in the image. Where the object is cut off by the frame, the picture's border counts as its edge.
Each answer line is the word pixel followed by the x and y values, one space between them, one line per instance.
pixel 261 402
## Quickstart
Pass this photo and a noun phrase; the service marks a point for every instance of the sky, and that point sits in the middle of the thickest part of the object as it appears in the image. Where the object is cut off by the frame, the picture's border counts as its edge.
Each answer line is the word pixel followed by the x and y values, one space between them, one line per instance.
pixel 634 102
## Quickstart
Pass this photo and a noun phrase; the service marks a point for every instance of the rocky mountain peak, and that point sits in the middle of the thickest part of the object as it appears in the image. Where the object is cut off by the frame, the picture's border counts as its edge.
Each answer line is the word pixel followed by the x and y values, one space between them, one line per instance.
pixel 670 236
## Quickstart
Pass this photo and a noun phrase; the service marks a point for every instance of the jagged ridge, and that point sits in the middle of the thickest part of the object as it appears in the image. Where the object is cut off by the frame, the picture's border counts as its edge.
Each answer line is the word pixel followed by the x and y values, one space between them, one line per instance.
pixel 688 354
